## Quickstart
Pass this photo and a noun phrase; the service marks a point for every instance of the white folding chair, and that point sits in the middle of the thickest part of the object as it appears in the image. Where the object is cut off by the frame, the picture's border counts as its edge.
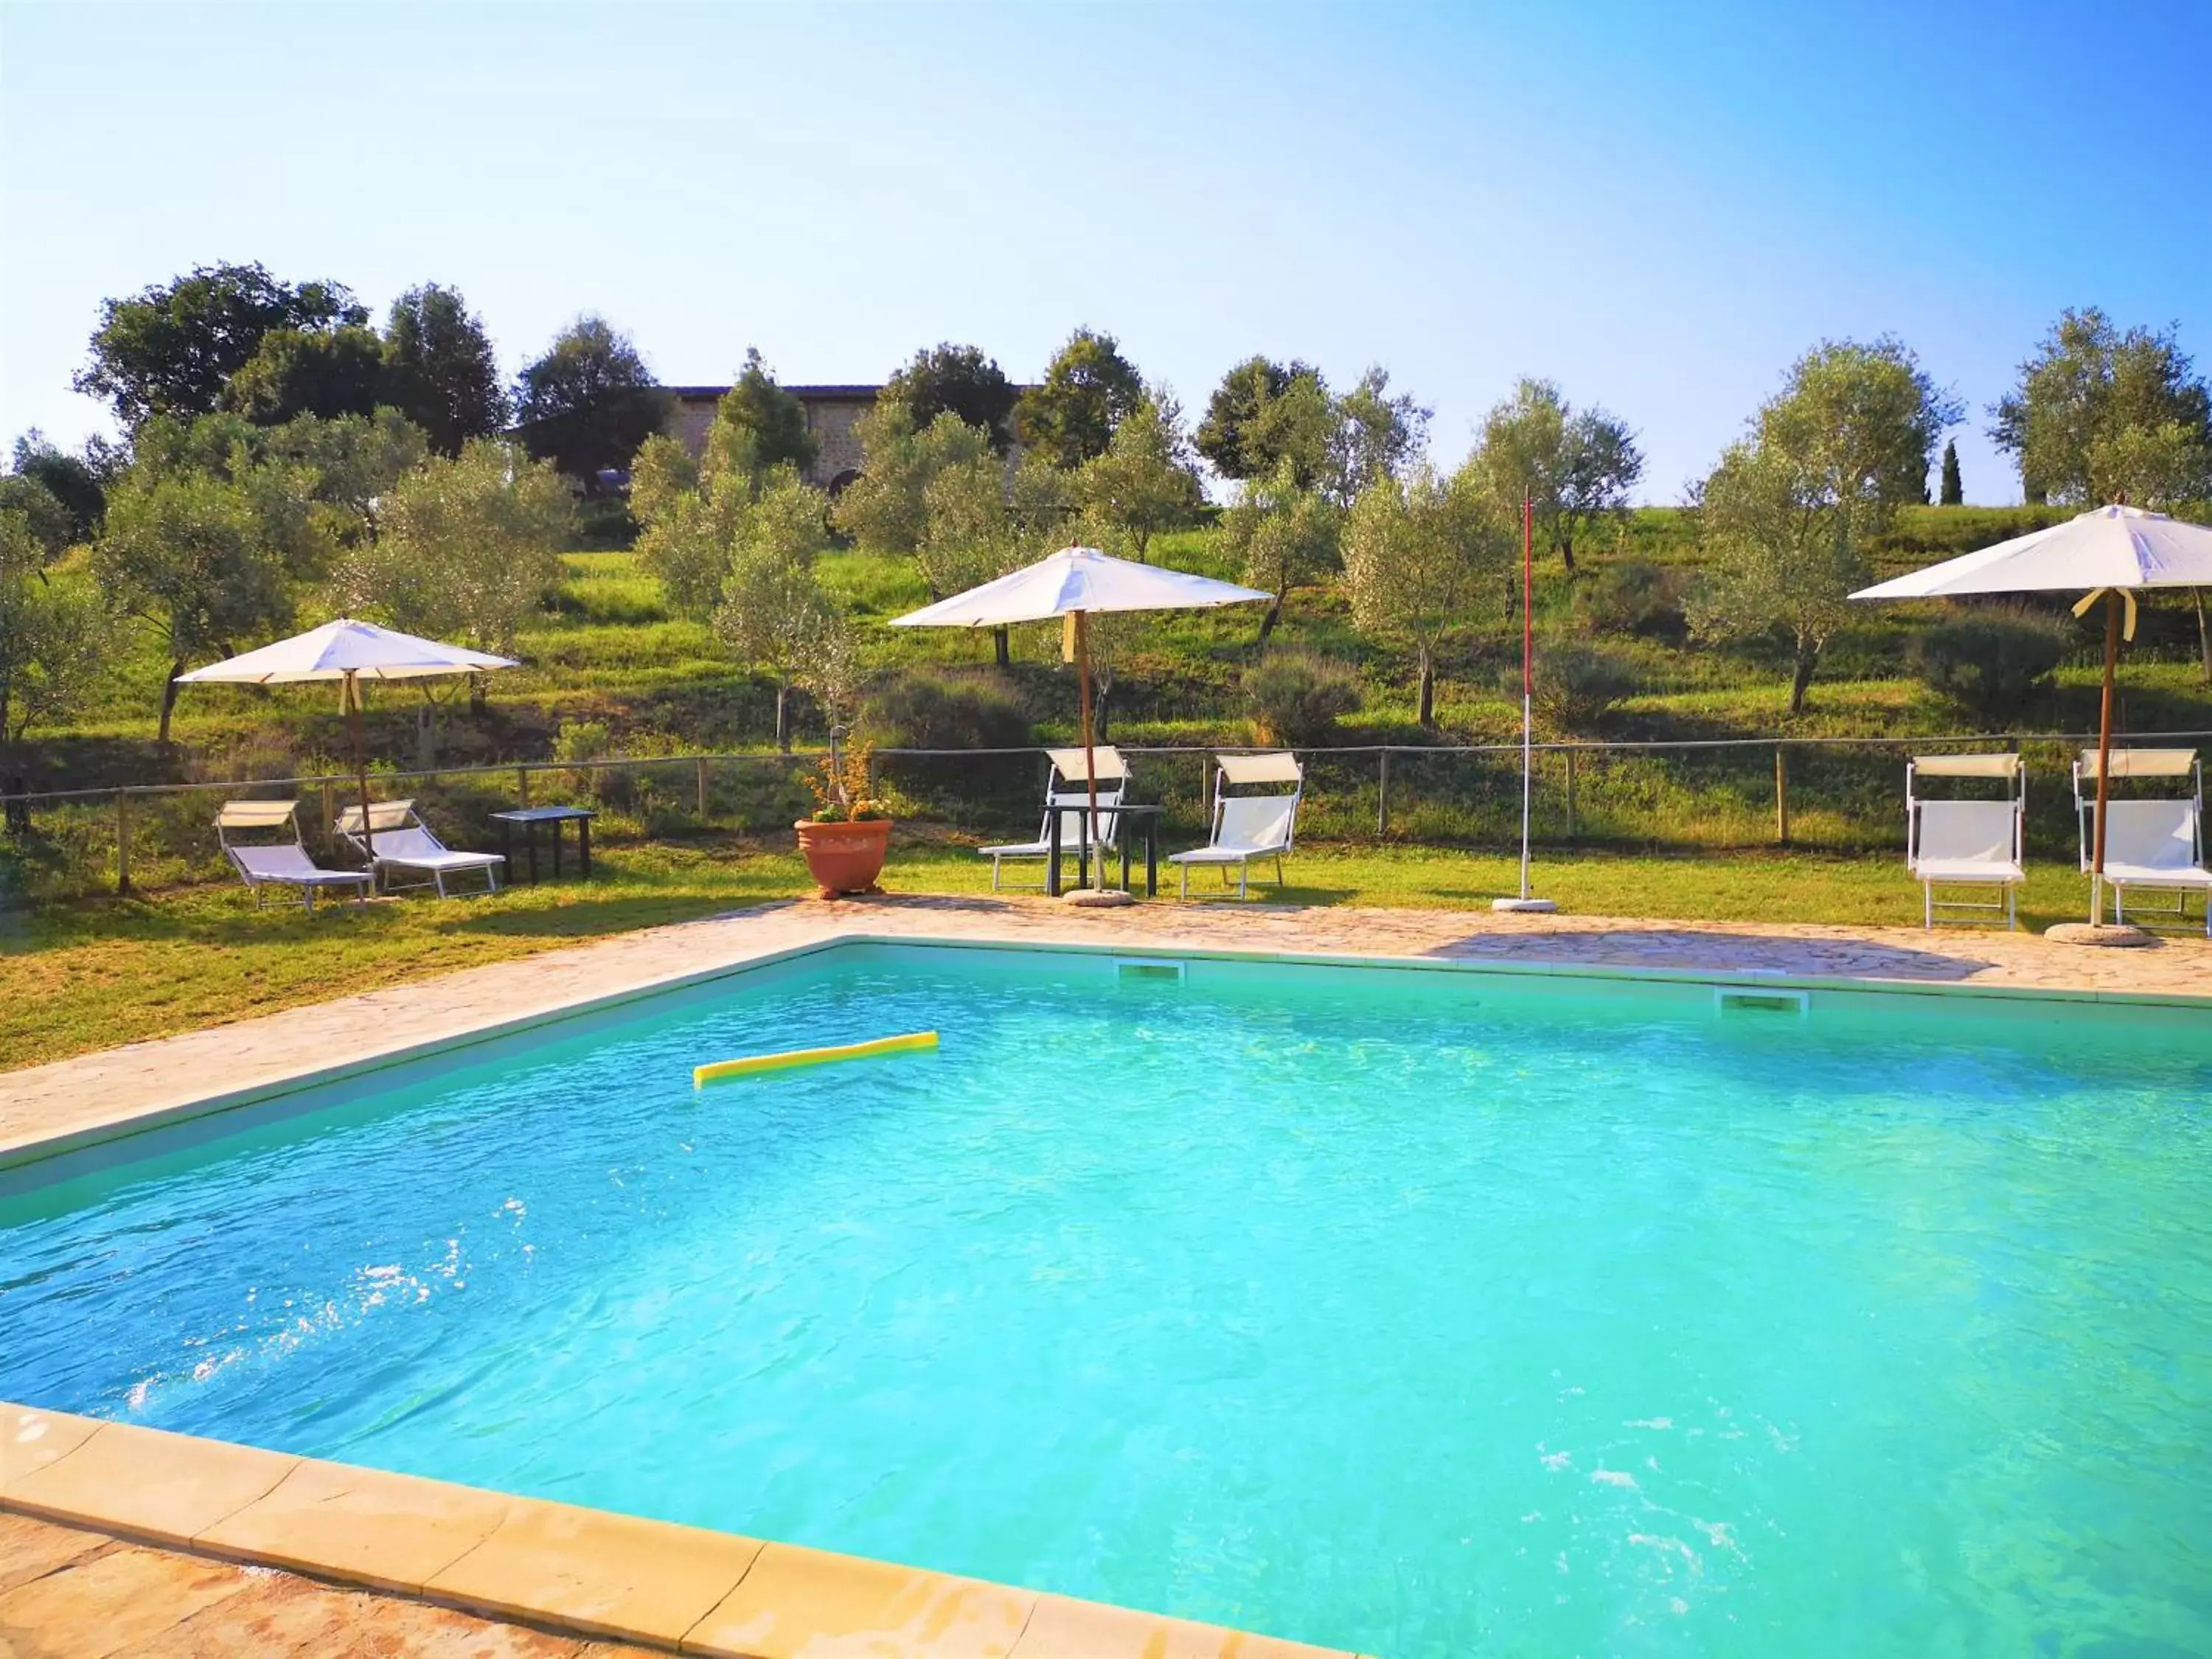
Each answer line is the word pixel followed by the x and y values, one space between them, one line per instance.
pixel 1247 826
pixel 1068 792
pixel 1967 843
pixel 398 840
pixel 284 864
pixel 2156 845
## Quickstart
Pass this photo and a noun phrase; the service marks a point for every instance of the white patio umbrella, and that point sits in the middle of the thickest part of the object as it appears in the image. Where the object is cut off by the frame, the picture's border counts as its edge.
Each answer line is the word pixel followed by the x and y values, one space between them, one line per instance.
pixel 347 652
pixel 1073 583
pixel 2109 554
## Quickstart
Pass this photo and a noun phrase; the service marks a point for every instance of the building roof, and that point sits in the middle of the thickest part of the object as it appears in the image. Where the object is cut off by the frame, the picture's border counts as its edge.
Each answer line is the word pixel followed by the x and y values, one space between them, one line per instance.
pixel 804 393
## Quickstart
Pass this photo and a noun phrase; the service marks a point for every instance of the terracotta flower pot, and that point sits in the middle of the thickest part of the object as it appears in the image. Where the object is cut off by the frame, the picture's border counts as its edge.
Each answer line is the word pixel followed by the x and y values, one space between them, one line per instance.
pixel 845 858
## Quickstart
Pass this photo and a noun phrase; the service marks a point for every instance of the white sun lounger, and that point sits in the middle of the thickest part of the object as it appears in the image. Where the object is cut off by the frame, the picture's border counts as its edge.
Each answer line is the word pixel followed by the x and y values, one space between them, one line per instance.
pixel 1967 843
pixel 2157 846
pixel 282 864
pixel 1247 826
pixel 400 841
pixel 1068 792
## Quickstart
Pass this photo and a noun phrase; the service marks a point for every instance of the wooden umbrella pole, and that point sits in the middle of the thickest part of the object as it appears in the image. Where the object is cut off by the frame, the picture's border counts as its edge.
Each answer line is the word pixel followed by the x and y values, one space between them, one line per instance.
pixel 2114 601
pixel 351 695
pixel 1090 754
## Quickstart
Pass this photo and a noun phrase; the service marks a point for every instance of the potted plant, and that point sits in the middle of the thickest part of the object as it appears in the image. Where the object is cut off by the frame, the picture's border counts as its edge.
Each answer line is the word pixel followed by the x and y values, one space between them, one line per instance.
pixel 845 841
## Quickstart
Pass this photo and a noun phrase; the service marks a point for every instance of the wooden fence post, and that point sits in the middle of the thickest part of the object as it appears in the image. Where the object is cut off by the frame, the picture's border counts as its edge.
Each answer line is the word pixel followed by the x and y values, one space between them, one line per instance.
pixel 1570 794
pixel 123 843
pixel 702 789
pixel 1781 795
pixel 1383 796
pixel 522 786
pixel 330 817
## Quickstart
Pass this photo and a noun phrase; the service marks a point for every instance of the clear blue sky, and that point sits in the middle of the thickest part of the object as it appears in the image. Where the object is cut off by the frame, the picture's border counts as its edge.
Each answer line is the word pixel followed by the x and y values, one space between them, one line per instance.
pixel 1657 206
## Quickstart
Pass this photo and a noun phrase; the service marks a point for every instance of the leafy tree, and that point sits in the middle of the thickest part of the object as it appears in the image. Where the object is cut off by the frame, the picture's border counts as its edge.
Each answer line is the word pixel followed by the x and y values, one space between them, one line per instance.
pixel 773 616
pixel 1954 489
pixel 1419 553
pixel 1142 483
pixel 956 379
pixel 1377 436
pixel 588 403
pixel 302 372
pixel 1284 533
pixel 440 370
pixel 355 461
pixel 1575 467
pixel 758 425
pixel 52 632
pixel 467 547
pixel 189 554
pixel 79 483
pixel 1224 436
pixel 40 513
pixel 2090 384
pixel 172 349
pixel 2153 467
pixel 1087 391
pixel 968 535
pixel 885 510
pixel 1787 515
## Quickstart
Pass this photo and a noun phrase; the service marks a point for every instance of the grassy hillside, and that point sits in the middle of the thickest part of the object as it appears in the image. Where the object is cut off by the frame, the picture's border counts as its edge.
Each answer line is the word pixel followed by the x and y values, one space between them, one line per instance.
pixel 606 653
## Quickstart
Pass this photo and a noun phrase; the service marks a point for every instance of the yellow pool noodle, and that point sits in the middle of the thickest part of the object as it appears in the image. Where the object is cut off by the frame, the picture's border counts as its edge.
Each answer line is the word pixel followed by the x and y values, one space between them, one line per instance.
pixel 791 1057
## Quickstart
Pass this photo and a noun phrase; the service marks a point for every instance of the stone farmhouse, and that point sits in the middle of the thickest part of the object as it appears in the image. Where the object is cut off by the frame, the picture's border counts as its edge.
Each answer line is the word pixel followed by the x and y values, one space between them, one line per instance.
pixel 830 413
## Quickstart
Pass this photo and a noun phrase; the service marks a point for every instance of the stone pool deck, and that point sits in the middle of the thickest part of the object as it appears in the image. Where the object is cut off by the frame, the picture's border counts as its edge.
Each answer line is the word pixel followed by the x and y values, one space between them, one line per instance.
pixel 160 1508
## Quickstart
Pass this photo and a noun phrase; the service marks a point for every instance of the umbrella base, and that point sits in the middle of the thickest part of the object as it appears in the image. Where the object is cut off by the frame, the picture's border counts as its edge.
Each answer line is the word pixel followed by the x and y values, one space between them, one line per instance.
pixel 1091 898
pixel 2107 935
pixel 1530 906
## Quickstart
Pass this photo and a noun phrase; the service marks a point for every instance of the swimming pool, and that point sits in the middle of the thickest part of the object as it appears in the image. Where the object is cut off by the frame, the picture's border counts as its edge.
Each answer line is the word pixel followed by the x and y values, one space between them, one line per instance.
pixel 1416 1312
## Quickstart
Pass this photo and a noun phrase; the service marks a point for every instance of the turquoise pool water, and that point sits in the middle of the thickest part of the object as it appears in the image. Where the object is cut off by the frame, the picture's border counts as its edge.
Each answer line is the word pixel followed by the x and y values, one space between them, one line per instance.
pixel 1420 1313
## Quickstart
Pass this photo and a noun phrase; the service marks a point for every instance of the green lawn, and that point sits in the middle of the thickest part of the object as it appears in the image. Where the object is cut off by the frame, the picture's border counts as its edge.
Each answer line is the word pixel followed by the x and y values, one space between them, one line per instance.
pixel 87 975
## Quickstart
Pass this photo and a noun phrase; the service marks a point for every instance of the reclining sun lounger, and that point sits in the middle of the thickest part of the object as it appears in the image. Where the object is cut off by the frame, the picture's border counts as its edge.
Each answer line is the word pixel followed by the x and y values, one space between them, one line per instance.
pixel 281 863
pixel 1247 826
pixel 1967 843
pixel 400 841
pixel 1067 791
pixel 2154 845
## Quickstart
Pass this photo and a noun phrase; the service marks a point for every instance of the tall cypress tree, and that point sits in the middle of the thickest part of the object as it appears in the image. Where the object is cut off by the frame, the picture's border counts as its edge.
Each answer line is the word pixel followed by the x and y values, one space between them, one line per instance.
pixel 1955 494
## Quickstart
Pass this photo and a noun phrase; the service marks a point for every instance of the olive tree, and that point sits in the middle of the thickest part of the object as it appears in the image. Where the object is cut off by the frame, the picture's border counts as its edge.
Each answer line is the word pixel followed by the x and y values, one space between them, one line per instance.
pixel 1419 554
pixel 1786 516
pixel 773 616
pixel 2099 411
pixel 468 547
pixel 1284 534
pixel 1142 483
pixel 1574 467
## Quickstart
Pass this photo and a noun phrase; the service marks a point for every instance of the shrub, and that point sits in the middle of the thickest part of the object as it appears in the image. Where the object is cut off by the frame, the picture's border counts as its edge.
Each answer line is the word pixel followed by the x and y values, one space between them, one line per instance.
pixel 590 740
pixel 1990 662
pixel 1297 697
pixel 1635 597
pixel 1577 686
pixel 934 709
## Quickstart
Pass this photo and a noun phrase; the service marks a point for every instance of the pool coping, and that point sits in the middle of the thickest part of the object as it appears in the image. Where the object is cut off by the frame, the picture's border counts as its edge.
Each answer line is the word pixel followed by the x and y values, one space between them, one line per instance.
pixel 592 1573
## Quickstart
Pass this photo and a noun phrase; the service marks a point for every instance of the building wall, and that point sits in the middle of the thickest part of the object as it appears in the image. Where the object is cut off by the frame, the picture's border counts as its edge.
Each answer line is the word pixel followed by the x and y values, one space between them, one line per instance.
pixel 831 413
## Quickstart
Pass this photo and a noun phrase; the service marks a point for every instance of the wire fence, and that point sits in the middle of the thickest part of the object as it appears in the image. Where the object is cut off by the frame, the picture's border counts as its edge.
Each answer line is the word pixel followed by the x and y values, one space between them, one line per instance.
pixel 1839 795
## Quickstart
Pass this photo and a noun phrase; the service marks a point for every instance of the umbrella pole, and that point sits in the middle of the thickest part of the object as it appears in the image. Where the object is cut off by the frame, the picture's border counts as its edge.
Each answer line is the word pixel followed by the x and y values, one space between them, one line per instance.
pixel 351 694
pixel 1090 756
pixel 2112 604
pixel 1528 678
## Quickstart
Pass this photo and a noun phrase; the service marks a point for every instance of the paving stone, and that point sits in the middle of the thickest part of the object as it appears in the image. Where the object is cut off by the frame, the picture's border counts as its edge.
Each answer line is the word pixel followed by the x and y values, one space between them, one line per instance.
pixel 31 1549
pixel 113 1601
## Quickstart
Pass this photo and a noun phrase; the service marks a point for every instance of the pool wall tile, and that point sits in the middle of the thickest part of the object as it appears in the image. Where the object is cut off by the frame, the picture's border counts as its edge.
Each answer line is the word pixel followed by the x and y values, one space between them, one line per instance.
pixel 798 1602
pixel 30 1439
pixel 150 1483
pixel 1062 1627
pixel 392 1531
pixel 609 1575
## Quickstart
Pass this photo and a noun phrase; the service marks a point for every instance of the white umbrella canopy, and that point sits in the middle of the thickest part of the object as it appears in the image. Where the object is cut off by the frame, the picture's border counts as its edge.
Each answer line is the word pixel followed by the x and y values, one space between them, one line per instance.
pixel 1074 582
pixel 347 652
pixel 2107 554
pixel 1076 579
pixel 345 647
